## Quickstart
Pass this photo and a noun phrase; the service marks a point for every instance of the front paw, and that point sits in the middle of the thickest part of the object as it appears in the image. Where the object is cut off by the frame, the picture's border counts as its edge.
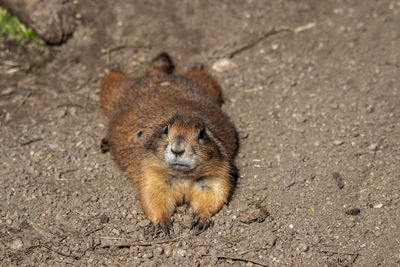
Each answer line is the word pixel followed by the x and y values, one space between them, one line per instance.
pixel 104 145
pixel 201 224
pixel 165 228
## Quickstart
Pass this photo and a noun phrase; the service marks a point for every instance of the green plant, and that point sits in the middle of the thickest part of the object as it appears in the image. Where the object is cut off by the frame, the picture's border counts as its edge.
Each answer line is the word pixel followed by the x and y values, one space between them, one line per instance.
pixel 12 27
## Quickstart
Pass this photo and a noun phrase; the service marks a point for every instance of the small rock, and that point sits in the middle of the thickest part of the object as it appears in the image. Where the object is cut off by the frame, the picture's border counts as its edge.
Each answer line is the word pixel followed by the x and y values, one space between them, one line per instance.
pixel 16 244
pixel 370 109
pixel 274 46
pixel 148 255
pixel 9 221
pixel 203 250
pixel 104 218
pixel 243 135
pixel 373 147
pixel 353 211
pixel 158 250
pixel 339 179
pixel 298 117
pixel 115 231
pixel 303 247
pixel 168 251
pixel 144 223
pixel 270 239
pixel 223 65
pixel 53 146
pixel 289 183
pixel 7 117
pixel 378 206
pixel 338 142
pixel 142 59
pixel 256 212
pixel 165 84
pixel 7 91
pixel 61 113
pixel 180 252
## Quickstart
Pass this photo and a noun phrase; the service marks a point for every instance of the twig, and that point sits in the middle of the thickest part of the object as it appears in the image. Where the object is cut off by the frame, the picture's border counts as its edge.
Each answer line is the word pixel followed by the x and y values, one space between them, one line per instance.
pixel 141 243
pixel 337 252
pixel 268 34
pixel 237 259
pixel 251 44
pixel 354 258
pixel 21 104
pixel 76 257
pixel 31 141
pixel 65 172
pixel 372 162
pixel 94 231
pixel 56 104
pixel 116 48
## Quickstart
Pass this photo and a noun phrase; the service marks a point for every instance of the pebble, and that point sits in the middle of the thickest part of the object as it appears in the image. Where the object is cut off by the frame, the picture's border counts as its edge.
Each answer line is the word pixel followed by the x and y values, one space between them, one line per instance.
pixel 144 223
pixel 303 247
pixel 243 135
pixel 338 142
pixel 142 59
pixel 223 65
pixel 270 239
pixel 115 231
pixel 9 221
pixel 180 252
pixel 7 91
pixel 274 46
pixel 16 244
pixel 168 251
pixel 158 250
pixel 289 183
pixel 378 206
pixel 353 211
pixel 61 113
pixel 94 199
pixel 373 147
pixel 104 218
pixel 53 146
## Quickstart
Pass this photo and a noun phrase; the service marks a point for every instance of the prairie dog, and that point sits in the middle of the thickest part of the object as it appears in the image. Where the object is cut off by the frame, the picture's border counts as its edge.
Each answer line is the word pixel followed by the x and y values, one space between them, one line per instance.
pixel 171 137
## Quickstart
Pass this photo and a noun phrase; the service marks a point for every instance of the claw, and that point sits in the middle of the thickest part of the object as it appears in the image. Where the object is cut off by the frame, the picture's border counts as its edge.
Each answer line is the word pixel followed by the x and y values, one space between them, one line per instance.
pixel 201 224
pixel 166 228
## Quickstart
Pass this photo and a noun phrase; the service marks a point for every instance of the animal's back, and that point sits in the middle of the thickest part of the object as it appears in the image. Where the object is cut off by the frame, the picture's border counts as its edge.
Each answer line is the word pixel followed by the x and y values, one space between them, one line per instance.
pixel 152 101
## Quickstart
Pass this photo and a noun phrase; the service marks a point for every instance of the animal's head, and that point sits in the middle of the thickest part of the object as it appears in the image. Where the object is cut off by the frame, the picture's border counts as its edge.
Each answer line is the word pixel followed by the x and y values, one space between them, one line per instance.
pixel 185 143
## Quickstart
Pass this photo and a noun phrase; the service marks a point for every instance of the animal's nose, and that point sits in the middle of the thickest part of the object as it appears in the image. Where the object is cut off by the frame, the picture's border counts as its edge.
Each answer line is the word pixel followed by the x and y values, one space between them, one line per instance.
pixel 178 146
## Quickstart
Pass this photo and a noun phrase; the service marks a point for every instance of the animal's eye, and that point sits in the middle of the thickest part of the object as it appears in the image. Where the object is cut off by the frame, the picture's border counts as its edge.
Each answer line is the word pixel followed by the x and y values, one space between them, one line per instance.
pixel 166 130
pixel 202 134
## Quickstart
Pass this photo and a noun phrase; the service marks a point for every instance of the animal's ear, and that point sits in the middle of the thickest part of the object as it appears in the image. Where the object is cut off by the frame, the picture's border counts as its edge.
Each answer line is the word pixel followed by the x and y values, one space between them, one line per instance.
pixel 166 129
pixel 133 138
pixel 161 131
pixel 137 135
pixel 202 134
pixel 217 143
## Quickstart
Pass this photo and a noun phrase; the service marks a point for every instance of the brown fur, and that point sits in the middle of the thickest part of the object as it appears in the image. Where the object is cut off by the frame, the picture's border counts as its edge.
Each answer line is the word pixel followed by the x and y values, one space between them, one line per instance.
pixel 151 114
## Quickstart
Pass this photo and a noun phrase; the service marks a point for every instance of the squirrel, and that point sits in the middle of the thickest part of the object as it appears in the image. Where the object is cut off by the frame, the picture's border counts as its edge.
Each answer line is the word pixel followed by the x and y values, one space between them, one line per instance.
pixel 169 134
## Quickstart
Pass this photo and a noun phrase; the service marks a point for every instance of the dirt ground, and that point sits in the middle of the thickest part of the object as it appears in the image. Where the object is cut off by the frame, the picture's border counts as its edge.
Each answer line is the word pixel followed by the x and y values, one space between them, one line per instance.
pixel 316 106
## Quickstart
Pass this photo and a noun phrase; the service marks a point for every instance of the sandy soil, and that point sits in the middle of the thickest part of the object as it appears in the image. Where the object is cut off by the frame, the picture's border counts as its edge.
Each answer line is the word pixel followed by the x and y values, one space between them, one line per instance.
pixel 316 106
